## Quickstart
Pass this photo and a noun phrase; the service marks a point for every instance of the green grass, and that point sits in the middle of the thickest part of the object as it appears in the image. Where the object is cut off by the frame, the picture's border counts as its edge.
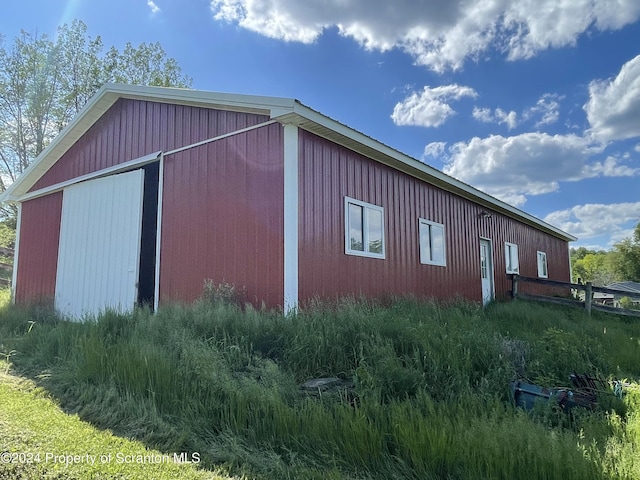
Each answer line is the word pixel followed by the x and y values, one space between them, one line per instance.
pixel 431 396
pixel 38 440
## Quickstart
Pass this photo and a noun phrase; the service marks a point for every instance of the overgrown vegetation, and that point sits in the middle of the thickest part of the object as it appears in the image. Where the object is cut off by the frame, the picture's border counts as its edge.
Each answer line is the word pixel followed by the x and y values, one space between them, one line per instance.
pixel 621 263
pixel 39 441
pixel 431 396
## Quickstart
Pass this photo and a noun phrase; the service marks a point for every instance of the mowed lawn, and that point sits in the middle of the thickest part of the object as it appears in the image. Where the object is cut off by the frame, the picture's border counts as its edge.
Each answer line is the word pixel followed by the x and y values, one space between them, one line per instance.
pixel 39 441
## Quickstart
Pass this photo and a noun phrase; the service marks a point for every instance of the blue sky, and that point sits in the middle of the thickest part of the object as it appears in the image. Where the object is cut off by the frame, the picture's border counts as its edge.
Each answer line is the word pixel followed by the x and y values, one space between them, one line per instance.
pixel 534 101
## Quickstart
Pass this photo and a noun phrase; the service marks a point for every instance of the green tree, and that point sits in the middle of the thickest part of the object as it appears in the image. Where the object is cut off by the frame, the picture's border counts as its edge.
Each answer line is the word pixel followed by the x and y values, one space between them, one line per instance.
pixel 45 82
pixel 625 257
pixel 144 65
pixel 593 266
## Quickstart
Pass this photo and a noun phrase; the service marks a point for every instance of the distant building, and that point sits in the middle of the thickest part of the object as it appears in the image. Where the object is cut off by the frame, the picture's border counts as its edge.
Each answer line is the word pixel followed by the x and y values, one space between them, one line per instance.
pixel 150 191
pixel 633 289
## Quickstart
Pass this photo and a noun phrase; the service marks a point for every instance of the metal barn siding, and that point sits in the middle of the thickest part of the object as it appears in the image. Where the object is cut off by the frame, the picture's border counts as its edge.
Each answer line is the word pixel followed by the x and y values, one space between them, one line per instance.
pixel 134 128
pixel 38 250
pixel 99 252
pixel 222 217
pixel 329 172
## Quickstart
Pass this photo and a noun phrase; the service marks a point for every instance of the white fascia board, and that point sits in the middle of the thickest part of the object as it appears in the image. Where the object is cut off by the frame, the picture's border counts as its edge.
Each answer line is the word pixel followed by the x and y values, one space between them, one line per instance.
pixel 184 96
pixel 316 122
pixel 88 115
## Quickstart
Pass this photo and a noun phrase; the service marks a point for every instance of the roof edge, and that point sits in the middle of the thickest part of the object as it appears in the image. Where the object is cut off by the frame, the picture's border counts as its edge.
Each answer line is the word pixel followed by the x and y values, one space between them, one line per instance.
pixel 422 170
pixel 282 109
pixel 108 94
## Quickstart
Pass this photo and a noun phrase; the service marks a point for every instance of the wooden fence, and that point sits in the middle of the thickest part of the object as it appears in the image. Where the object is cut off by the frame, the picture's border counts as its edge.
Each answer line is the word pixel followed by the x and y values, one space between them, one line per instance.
pixel 588 304
pixel 6 268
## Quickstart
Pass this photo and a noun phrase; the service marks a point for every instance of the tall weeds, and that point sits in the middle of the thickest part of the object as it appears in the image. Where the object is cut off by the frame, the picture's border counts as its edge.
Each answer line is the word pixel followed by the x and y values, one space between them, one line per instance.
pixel 430 396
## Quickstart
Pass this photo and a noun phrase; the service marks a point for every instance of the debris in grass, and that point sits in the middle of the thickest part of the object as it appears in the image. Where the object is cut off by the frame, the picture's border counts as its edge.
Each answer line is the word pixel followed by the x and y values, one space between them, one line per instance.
pixel 587 389
pixel 321 386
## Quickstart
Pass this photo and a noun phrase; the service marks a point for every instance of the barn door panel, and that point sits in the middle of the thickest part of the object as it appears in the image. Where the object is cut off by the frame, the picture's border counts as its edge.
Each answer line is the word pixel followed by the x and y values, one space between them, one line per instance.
pixel 99 250
pixel 486 270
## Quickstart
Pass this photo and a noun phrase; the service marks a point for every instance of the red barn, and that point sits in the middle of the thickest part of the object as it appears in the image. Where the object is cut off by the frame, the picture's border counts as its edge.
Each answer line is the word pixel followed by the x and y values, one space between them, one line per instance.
pixel 150 191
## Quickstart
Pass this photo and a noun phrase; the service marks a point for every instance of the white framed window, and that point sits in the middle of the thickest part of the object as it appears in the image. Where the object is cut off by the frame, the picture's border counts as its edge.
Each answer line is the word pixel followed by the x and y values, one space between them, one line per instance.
pixel 542 265
pixel 364 229
pixel 511 257
pixel 432 245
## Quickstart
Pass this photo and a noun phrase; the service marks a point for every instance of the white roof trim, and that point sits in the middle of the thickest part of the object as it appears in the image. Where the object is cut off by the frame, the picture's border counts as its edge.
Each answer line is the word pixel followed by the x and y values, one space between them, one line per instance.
pixel 107 95
pixel 410 165
pixel 114 169
pixel 285 110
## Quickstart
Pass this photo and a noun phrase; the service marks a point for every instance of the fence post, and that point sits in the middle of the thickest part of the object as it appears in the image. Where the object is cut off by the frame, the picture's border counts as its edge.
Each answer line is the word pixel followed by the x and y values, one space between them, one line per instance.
pixel 588 295
pixel 514 285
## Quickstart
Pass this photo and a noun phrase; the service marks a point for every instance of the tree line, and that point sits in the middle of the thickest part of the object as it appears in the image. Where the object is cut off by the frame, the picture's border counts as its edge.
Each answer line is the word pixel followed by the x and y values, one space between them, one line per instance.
pixel 44 82
pixel 622 263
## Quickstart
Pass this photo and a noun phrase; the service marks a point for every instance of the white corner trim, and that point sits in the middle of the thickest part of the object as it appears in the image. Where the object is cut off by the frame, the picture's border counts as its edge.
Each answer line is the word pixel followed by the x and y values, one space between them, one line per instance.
pixel 156 287
pixel 16 255
pixel 290 301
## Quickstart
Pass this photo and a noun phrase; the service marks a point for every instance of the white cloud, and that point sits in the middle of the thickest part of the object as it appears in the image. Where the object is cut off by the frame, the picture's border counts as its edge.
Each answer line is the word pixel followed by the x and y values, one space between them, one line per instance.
pixel 440 34
pixel 615 220
pixel 484 115
pixel 498 116
pixel 434 150
pixel 152 5
pixel 610 168
pixel 547 110
pixel 614 105
pixel 511 168
pixel 429 108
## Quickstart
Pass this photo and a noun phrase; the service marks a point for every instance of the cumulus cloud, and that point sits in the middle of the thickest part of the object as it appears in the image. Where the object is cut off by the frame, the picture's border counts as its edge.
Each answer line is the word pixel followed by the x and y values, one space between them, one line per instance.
pixel 434 150
pixel 546 111
pixel 439 34
pixel 429 108
pixel 614 104
pixel 611 167
pixel 595 219
pixel 152 5
pixel 511 168
pixel 498 116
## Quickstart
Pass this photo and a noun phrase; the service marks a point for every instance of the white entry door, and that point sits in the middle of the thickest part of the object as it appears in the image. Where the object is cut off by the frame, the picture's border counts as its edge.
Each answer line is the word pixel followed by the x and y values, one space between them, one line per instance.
pixel 99 252
pixel 486 270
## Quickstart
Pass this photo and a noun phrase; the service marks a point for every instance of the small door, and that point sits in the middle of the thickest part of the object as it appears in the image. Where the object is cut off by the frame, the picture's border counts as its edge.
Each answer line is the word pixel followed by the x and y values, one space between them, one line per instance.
pixel 99 252
pixel 486 270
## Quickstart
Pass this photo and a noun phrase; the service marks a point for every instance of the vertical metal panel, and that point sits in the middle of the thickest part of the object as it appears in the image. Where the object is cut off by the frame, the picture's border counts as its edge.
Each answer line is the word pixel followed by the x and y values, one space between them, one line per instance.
pixel 99 251
pixel 329 172
pixel 38 250
pixel 222 217
pixel 134 128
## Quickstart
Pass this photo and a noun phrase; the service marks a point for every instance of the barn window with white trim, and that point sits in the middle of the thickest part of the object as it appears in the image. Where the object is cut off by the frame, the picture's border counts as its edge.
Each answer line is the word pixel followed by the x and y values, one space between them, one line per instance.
pixel 432 247
pixel 364 229
pixel 511 257
pixel 542 265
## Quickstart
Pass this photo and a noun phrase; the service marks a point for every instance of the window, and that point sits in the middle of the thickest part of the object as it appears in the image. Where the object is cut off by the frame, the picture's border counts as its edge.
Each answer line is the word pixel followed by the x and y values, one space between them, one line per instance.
pixel 432 248
pixel 511 257
pixel 364 229
pixel 542 265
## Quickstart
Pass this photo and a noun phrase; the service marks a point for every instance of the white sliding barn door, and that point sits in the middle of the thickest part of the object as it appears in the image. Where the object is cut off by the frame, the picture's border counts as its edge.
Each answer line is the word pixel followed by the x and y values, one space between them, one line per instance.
pixel 99 252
